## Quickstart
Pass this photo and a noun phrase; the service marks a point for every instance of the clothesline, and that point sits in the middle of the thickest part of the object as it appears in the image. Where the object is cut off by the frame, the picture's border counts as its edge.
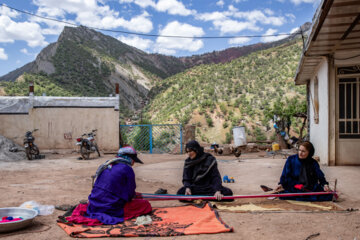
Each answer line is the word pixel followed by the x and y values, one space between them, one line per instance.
pixel 168 197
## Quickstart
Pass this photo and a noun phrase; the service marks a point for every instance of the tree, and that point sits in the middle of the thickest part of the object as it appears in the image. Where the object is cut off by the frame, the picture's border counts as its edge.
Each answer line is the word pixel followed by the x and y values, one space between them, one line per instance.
pixel 282 113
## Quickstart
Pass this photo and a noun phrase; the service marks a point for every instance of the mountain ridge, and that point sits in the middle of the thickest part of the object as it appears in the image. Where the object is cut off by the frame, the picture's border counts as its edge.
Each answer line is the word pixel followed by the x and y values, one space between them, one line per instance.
pixel 221 56
pixel 84 62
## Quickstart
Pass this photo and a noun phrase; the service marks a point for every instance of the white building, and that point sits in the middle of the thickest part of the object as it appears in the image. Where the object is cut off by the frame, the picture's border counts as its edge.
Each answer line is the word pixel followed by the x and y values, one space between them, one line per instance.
pixel 330 67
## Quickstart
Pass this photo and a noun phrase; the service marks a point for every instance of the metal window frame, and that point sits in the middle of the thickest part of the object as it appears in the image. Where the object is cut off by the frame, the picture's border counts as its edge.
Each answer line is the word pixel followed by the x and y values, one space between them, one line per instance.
pixel 352 134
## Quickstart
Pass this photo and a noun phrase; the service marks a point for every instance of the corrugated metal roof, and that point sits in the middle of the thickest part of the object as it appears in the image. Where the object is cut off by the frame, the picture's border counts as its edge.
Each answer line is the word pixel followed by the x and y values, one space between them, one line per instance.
pixel 336 28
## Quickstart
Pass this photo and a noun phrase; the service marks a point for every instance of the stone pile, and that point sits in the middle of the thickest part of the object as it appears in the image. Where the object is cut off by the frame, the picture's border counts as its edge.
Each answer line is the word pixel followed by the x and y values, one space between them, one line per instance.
pixel 10 151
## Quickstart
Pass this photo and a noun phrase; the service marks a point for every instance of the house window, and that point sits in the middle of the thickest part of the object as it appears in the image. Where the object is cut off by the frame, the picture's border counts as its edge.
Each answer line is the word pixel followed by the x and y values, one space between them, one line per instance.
pixel 349 107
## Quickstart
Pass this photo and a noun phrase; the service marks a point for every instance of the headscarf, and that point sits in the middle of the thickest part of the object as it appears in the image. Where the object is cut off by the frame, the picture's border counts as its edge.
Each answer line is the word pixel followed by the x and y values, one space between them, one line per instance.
pixel 125 155
pixel 194 146
pixel 307 171
pixel 108 164
pixel 130 152
pixel 201 165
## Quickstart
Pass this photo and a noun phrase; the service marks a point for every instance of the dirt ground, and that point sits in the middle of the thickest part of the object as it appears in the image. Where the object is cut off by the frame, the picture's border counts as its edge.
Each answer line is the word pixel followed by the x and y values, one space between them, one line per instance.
pixel 63 179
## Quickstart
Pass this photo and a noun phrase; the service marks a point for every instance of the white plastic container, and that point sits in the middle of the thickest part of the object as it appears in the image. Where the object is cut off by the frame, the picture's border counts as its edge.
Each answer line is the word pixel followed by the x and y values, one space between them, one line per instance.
pixel 239 136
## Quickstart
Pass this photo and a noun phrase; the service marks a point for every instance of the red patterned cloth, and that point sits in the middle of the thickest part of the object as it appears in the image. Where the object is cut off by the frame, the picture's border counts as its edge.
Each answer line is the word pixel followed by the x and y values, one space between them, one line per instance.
pixel 134 208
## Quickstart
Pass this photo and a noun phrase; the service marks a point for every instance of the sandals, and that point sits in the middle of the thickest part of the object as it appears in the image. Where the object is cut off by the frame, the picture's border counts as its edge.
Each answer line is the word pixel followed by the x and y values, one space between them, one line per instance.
pixel 266 188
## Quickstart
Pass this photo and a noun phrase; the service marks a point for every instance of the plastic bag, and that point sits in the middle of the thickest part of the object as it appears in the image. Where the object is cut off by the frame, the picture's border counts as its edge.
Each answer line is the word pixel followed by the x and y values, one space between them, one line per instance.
pixel 41 209
pixel 143 220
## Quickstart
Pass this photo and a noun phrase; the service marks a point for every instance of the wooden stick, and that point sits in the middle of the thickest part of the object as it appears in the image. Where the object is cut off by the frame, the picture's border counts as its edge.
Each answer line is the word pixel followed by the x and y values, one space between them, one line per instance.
pixel 163 197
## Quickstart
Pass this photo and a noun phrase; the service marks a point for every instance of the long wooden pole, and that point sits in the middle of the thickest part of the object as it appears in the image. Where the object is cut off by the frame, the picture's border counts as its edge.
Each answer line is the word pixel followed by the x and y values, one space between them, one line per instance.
pixel 167 197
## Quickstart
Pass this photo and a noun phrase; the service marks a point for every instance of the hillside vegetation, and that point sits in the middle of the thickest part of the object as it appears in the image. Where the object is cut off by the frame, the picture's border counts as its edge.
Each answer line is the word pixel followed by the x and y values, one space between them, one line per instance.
pixel 217 97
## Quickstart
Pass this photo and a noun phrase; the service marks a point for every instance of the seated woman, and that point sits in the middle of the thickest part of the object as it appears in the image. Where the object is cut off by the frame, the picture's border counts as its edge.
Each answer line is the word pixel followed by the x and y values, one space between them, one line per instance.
pixel 302 173
pixel 113 198
pixel 201 175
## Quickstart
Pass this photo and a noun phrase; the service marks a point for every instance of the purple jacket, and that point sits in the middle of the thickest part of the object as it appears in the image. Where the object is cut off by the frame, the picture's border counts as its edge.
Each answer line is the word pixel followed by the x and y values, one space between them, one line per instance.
pixel 112 189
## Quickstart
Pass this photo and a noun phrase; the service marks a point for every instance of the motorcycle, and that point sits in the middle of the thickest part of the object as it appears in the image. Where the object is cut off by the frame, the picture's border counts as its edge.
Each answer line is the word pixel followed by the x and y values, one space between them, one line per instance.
pixel 87 144
pixel 31 150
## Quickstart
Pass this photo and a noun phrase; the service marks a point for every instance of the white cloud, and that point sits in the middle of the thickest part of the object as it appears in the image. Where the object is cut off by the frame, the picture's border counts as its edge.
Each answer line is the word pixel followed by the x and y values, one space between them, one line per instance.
pixel 297 2
pixel 211 16
pixel 239 1
pixel 126 1
pixel 232 8
pixel 239 41
pixel 11 31
pixel 3 55
pixel 171 45
pixel 92 14
pixel 139 23
pixel 137 42
pixel 173 7
pixel 51 12
pixel 233 26
pixel 145 3
pixel 291 17
pixel 51 27
pixel 271 31
pixel 24 50
pixel 228 21
pixel 295 30
pixel 30 32
pixel 269 11
pixel 220 3
pixel 164 50
pixel 8 12
pixel 141 3
pixel 258 16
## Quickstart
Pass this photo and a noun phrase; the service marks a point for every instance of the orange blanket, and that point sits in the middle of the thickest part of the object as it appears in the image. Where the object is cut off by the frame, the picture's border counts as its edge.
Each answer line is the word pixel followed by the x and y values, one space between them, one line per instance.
pixel 172 221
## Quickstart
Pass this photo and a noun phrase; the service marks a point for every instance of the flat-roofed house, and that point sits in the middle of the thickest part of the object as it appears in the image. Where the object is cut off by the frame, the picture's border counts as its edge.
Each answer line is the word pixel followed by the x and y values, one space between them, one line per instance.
pixel 330 67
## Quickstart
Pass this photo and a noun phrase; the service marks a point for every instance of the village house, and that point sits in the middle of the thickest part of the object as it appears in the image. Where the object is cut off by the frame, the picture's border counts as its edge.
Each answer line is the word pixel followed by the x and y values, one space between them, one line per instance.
pixel 330 67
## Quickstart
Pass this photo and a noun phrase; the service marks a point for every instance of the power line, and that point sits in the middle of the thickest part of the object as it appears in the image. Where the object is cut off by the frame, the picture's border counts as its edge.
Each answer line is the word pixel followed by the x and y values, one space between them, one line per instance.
pixel 148 35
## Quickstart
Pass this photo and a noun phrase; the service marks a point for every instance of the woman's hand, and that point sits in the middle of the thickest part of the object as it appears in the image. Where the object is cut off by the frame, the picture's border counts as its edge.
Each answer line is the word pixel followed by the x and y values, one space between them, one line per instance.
pixel 327 188
pixel 218 195
pixel 187 191
pixel 279 188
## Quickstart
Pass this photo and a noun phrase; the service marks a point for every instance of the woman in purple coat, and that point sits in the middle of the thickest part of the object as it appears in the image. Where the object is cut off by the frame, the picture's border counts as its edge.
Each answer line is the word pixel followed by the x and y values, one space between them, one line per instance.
pixel 113 198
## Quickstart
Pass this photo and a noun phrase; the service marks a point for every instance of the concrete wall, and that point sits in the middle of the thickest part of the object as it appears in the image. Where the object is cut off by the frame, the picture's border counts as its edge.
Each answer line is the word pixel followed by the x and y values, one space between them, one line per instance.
pixel 319 131
pixel 14 126
pixel 60 126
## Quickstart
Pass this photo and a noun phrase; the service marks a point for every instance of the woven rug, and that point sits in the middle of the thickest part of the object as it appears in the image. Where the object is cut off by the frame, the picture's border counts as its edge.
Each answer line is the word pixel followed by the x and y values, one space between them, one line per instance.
pixel 171 221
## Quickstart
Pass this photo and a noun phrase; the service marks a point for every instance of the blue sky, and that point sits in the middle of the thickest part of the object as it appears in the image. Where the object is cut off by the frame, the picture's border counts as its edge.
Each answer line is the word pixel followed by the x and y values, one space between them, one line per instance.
pixel 23 36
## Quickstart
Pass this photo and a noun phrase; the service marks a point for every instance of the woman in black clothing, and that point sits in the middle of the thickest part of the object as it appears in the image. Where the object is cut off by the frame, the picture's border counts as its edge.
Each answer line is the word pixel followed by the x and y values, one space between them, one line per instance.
pixel 201 175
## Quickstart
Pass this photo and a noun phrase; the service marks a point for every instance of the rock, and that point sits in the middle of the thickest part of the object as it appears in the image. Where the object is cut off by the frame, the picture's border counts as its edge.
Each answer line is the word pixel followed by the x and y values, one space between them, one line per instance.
pixel 6 155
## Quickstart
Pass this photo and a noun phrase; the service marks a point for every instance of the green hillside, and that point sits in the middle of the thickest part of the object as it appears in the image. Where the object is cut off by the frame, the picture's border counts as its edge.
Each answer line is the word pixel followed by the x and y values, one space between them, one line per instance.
pixel 217 97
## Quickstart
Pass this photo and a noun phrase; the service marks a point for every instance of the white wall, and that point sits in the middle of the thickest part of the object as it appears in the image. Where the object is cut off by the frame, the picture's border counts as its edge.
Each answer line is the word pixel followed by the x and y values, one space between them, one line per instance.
pixel 54 123
pixel 319 135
